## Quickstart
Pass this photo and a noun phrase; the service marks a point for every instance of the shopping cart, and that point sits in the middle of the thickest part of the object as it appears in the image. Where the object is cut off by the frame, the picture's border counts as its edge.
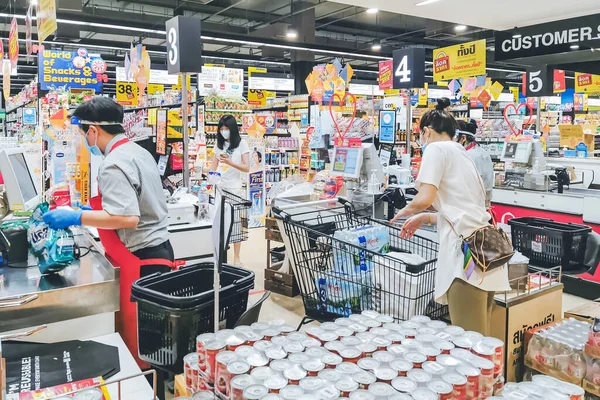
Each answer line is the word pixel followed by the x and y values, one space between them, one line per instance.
pixel 338 277
pixel 241 206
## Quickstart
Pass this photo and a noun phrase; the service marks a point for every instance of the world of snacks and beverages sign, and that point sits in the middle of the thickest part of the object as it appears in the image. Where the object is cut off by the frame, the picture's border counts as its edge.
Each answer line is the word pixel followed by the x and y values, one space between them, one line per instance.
pixel 459 61
pixel 550 38
pixel 71 70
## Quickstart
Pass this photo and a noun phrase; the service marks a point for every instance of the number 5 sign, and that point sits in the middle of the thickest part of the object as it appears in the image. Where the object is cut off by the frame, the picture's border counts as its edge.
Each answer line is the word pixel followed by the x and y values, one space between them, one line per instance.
pixel 184 47
pixel 409 68
pixel 539 81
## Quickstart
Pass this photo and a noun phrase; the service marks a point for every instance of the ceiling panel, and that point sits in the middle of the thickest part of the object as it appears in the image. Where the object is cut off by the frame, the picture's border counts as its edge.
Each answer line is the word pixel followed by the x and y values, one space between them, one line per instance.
pixel 496 14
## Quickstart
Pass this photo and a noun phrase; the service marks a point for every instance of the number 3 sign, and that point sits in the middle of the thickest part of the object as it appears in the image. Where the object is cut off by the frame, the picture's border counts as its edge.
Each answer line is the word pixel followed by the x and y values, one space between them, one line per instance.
pixel 409 68
pixel 184 47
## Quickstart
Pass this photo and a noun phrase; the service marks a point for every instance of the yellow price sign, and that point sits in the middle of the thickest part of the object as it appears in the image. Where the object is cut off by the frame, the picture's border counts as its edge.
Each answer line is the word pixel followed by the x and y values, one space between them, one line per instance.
pixel 154 88
pixel 127 93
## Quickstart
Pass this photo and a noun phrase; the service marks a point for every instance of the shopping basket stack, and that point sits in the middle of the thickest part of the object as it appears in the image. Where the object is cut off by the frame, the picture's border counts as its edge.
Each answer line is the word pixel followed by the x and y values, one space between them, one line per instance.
pixel 175 307
pixel 339 276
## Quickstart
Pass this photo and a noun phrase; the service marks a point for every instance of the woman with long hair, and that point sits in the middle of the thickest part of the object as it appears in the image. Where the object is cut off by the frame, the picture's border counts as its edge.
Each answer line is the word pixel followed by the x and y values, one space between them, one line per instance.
pixel 449 182
pixel 232 160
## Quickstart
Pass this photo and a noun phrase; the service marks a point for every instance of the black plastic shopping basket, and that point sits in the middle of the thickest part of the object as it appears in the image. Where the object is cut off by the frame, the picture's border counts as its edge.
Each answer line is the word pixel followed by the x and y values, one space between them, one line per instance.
pixel 175 307
pixel 338 277
pixel 548 243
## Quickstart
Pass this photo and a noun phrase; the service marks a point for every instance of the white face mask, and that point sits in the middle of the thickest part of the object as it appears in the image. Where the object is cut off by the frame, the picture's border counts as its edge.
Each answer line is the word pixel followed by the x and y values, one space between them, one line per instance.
pixel 226 134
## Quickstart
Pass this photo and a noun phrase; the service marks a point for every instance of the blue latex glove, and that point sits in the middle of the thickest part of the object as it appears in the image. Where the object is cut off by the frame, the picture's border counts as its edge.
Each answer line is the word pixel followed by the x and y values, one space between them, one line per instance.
pixel 62 218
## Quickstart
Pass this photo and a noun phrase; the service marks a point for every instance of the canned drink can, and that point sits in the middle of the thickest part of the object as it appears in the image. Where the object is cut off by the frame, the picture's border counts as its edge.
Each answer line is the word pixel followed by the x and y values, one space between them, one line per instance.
pixel 311 342
pixel 252 337
pixel 291 392
pixel 424 394
pixel 280 365
pixel 351 341
pixel 212 348
pixel 437 325
pixel 224 334
pixel 344 332
pixel 201 341
pixel 463 342
pixel 259 374
pixel 498 346
pixel 259 326
pixel 424 330
pixel 262 345
pixel 233 369
pixel 573 391
pixel 382 343
pixel 350 354
pixel 401 366
pixel 499 386
pixel 472 374
pixel 448 361
pixel 275 382
pixel 276 322
pixel 418 375
pixel 384 357
pixel 298 358
pixel 444 345
pixel 196 373
pixel 444 336
pixel 453 330
pixel 486 379
pixel 271 332
pixel 385 374
pixel 257 360
pixel 276 353
pixel 398 350
pixel 443 389
pixel 392 326
pixel 367 348
pixel 365 337
pixel 395 337
pixel 420 319
pixel 364 379
pixel 286 329
pixel 347 368
pixel 203 396
pixel 434 368
pixel 316 352
pixel 188 361
pixel 426 338
pixel 362 394
pixel 357 317
pixel 280 341
pixel 459 385
pixel 329 326
pixel 381 390
pixel 238 384
pixel 400 396
pixel 89 394
pixel 222 377
pixel 545 381
pixel 245 351
pixel 368 364
pixel 311 384
pixel 404 384
pixel 417 359
pixel 329 375
pixel 328 336
pixel 343 321
pixel 294 375
pixel 385 319
pixel 431 352
pixel 334 346
pixel 462 354
pixel 293 347
pixel 328 393
pixel 297 336
pixel 204 384
pixel 358 327
pixel 474 336
pixel 255 392
pixel 313 367
pixel 371 323
pixel 314 331
pixel 331 360
pixel 346 386
pixel 380 331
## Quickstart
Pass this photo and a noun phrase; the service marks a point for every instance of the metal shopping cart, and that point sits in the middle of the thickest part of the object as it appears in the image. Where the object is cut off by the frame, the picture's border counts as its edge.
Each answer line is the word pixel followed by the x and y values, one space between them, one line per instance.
pixel 338 276
pixel 241 207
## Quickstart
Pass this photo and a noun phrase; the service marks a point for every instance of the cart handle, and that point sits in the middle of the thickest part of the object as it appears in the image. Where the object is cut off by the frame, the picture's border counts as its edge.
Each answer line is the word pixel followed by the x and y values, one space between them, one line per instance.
pixel 310 203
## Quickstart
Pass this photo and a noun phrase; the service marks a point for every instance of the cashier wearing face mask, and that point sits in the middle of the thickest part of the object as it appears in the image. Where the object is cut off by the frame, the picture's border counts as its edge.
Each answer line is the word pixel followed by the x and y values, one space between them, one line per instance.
pixel 449 183
pixel 130 211
pixel 232 160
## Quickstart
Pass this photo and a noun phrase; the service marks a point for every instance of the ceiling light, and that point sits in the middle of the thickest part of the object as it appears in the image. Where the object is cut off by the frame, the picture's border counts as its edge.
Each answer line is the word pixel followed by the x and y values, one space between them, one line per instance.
pixel 33 2
pixel 291 32
pixel 425 2
pixel 460 28
pixel 376 46
pixel 574 47
pixel 372 10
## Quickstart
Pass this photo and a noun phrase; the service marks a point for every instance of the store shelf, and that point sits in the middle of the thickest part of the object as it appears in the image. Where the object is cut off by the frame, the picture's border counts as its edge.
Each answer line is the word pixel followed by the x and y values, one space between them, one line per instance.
pixel 226 110
pixel 269 108
pixel 216 123
pixel 175 105
pixel 298 107
pixel 20 106
pixel 282 166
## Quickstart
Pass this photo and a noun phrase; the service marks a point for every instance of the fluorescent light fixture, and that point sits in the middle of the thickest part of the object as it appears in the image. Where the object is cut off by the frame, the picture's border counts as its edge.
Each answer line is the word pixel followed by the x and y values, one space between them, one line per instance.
pixel 460 28
pixel 376 45
pixel 516 35
pixel 574 47
pixel 425 2
pixel 372 10
pixel 33 2
pixel 291 32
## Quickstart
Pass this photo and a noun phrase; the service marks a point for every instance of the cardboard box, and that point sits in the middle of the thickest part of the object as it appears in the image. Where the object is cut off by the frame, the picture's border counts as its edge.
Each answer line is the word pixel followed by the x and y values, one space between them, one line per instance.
pixel 591 388
pixel 180 389
pixel 513 317
pixel 586 312
pixel 281 282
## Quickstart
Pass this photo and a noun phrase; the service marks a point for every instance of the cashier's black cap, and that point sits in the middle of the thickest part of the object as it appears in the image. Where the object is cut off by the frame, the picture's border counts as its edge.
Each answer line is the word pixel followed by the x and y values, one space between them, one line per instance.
pixel 107 113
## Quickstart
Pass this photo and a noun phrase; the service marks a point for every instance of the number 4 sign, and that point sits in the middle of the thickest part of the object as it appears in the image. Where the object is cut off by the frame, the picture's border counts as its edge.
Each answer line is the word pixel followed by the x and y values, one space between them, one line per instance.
pixel 409 68
pixel 539 81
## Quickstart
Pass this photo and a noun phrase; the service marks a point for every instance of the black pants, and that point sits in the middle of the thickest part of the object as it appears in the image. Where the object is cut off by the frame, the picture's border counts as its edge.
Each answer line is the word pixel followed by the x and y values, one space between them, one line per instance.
pixel 163 250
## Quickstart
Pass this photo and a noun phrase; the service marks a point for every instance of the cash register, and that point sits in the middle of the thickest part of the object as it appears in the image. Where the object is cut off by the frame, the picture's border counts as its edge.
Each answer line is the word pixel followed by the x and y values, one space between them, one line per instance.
pixel 526 166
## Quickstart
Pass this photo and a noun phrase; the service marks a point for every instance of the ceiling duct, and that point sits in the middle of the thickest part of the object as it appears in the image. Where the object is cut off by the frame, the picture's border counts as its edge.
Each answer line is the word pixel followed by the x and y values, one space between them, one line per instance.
pixel 437 30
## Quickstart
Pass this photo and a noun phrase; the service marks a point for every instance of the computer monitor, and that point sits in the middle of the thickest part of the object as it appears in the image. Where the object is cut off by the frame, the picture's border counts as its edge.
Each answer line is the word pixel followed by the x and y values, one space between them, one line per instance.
pixel 347 162
pixel 516 152
pixel 371 163
pixel 19 183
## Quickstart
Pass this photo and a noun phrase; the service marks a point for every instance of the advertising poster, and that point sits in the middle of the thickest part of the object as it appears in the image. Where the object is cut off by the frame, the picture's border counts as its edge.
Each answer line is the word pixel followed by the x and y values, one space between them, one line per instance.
pixel 560 84
pixel 13 43
pixel 385 74
pixel 387 126
pixel 224 81
pixel 587 83
pixel 459 61
pixel 423 92
pixel 161 132
pixel 71 70
pixel 256 183
pixel 29 116
pixel 46 19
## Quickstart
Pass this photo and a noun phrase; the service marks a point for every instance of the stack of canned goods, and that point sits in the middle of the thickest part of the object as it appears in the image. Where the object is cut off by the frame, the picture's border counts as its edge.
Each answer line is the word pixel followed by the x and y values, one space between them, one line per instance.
pixel 366 356
pixel 543 387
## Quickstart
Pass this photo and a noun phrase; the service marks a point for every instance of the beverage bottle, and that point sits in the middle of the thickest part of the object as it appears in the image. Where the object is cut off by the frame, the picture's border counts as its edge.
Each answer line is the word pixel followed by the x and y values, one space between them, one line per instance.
pixel 534 352
pixel 594 333
pixel 562 362
pixel 549 351
pixel 577 366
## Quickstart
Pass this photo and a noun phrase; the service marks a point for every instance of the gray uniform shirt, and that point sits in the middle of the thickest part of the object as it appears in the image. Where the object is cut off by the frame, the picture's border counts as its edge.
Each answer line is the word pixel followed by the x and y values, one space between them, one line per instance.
pixel 130 185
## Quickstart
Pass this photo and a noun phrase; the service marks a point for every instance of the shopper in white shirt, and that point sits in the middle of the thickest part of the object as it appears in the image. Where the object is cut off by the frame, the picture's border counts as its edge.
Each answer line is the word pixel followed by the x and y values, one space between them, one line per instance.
pixel 481 158
pixel 448 180
pixel 232 160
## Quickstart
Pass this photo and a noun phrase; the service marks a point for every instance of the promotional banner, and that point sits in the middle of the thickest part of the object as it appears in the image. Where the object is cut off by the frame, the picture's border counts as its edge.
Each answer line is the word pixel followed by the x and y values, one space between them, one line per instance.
pixel 28 41
pixel 385 74
pixel 459 61
pixel 161 131
pixel 71 70
pixel 224 81
pixel 387 126
pixel 13 43
pixel 127 93
pixel 46 19
pixel 423 92
pixel 256 182
pixel 257 98
pixel 560 84
pixel 587 83
pixel 580 102
pixel 549 38
pixel 6 78
pixel 157 76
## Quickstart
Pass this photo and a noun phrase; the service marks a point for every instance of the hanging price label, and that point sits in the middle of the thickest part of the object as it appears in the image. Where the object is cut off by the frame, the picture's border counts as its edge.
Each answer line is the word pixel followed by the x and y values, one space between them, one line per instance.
pixel 127 93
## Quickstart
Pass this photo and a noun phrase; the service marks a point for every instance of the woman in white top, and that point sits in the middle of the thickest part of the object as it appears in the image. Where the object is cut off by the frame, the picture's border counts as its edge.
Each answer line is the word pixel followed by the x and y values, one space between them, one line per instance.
pixel 448 181
pixel 232 160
